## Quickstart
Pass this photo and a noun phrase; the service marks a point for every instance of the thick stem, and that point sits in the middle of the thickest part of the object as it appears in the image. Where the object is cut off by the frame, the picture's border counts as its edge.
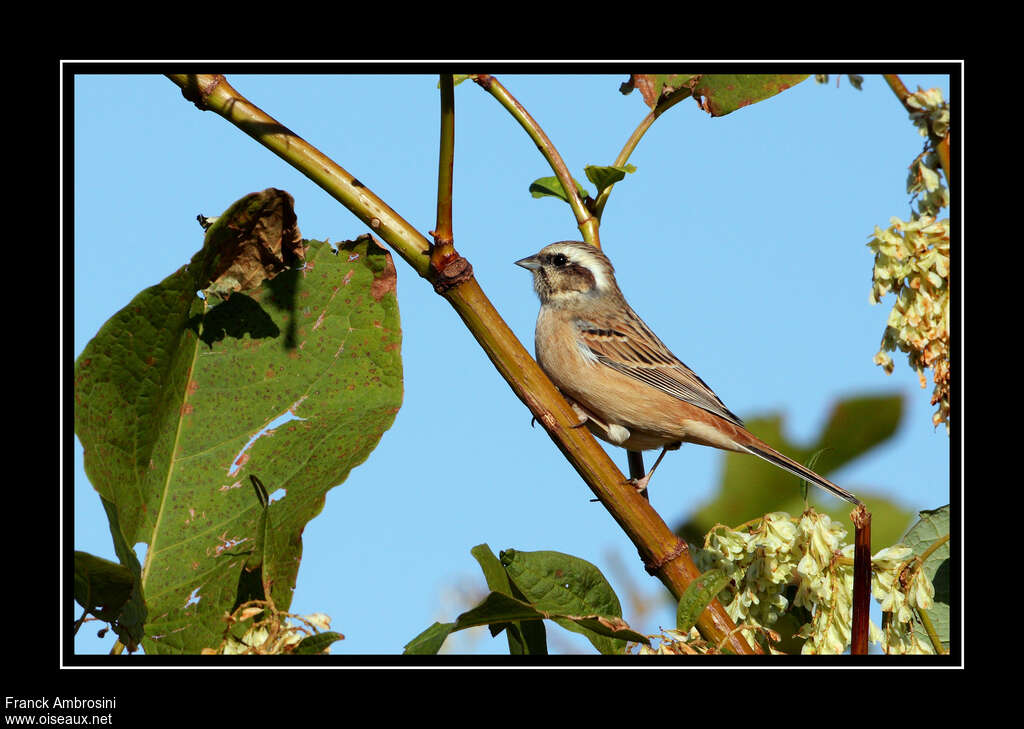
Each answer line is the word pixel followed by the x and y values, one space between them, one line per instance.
pixel 861 518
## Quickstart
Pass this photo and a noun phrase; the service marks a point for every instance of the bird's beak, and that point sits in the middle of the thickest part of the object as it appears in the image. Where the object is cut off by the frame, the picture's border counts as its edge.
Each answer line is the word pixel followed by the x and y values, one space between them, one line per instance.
pixel 530 262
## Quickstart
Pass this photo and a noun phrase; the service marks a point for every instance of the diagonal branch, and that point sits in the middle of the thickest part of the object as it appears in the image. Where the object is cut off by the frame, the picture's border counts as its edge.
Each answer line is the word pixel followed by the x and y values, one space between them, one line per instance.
pixel 665 555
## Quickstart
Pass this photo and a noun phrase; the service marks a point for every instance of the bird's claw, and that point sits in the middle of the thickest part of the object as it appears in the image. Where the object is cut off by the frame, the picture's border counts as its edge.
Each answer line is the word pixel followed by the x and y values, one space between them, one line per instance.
pixel 639 484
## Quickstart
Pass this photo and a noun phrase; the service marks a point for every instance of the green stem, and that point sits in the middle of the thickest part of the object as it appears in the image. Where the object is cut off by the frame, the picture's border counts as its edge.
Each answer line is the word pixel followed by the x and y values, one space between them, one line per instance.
pixel 588 224
pixel 444 249
pixel 933 634
pixel 926 620
pixel 934 545
pixel 634 141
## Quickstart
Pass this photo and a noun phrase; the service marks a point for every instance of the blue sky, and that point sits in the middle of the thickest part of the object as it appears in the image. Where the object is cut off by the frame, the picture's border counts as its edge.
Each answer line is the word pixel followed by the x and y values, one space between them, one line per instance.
pixel 741 240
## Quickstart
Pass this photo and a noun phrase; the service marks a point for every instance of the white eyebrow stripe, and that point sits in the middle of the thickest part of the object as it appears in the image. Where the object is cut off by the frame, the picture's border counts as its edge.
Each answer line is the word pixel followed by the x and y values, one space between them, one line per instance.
pixel 581 255
pixel 587 256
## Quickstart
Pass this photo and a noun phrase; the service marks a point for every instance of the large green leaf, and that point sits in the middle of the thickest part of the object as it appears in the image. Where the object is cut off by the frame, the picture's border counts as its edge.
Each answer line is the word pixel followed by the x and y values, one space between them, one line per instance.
pixel 175 393
pixel 751 487
pixel 719 94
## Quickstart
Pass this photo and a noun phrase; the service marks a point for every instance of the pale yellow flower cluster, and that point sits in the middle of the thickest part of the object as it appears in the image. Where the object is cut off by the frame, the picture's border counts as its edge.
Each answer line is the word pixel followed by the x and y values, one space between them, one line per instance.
pixel 900 586
pixel 775 552
pixel 931 113
pixel 826 585
pixel 277 633
pixel 912 261
pixel 673 642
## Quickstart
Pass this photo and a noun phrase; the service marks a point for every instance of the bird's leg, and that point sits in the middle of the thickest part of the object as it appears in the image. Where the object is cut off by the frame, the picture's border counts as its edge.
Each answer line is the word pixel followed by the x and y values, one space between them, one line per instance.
pixel 640 484
pixel 636 469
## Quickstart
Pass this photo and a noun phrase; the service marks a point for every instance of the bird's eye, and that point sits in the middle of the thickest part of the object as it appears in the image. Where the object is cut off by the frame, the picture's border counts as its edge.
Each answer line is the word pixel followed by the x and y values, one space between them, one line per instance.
pixel 559 259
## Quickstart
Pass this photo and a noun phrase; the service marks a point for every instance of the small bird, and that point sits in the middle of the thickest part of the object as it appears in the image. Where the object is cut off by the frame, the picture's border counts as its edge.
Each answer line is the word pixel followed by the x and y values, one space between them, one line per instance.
pixel 615 372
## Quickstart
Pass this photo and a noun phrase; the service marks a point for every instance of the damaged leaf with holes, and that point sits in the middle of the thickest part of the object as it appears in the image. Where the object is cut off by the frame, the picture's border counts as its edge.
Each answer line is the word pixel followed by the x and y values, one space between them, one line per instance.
pixel 172 392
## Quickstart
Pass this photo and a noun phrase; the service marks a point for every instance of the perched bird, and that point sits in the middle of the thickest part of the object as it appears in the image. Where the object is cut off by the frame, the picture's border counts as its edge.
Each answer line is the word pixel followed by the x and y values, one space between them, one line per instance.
pixel 632 391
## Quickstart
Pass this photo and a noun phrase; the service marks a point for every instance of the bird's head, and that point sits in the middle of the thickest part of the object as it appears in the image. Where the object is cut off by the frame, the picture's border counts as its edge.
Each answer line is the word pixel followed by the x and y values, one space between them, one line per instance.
pixel 565 271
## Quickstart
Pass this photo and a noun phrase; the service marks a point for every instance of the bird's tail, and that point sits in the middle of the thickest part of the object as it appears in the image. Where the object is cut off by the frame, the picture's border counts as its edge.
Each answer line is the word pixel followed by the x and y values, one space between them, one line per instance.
pixel 774 457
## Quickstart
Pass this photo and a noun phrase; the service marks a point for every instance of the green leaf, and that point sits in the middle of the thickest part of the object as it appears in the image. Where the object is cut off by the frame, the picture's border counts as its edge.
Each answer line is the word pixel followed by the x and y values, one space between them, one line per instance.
pixel 718 94
pixel 552 187
pixel 615 629
pixel 561 583
pixel 173 398
pixel 523 638
pixel 609 634
pixel 131 621
pixel 697 596
pixel 931 527
pixel 579 600
pixel 564 585
pixel 102 587
pixel 751 487
pixel 725 93
pixel 429 642
pixel 607 176
pixel 494 572
pixel 496 608
pixel 314 644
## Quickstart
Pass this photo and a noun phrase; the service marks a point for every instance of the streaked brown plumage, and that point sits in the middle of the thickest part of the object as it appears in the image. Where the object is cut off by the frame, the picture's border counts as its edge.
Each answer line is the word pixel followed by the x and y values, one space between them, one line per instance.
pixel 633 391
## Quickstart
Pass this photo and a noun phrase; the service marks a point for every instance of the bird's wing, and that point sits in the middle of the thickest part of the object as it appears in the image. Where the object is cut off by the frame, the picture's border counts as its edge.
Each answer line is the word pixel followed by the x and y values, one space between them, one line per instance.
pixel 627 345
